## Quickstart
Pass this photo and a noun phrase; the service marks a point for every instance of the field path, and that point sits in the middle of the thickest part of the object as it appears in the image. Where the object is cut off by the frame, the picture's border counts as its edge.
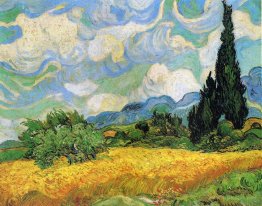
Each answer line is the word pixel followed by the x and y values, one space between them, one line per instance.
pixel 127 171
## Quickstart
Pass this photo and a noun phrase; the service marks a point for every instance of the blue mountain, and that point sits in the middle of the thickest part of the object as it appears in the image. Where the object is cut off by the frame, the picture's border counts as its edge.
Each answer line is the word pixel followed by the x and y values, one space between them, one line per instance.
pixel 137 111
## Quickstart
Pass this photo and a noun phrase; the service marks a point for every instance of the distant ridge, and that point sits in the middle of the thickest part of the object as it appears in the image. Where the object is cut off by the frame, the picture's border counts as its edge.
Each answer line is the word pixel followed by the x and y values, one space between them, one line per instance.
pixel 137 111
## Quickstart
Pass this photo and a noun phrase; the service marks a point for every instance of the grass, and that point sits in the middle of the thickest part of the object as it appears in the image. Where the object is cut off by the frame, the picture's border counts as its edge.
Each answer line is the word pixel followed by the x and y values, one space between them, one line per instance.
pixel 237 188
pixel 123 171
pixel 256 132
pixel 243 188
pixel 12 154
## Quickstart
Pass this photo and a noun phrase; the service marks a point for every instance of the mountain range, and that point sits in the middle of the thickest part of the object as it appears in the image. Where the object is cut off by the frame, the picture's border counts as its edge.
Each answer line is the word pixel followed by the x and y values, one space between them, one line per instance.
pixel 138 111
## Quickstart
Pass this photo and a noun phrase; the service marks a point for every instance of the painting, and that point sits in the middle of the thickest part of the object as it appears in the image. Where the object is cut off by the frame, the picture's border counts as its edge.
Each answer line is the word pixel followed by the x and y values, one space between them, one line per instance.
pixel 130 103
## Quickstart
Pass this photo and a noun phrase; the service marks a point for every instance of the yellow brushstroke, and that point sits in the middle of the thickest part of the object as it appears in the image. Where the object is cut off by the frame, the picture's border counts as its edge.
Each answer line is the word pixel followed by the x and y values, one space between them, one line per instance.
pixel 129 171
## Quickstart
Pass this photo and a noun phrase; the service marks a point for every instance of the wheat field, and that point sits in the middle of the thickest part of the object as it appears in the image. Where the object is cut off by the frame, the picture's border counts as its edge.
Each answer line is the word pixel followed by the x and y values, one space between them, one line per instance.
pixel 127 171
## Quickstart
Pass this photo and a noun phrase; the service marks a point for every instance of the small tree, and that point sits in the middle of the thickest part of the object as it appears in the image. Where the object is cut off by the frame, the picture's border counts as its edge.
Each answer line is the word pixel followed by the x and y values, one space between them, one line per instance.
pixel 159 120
pixel 174 124
pixel 143 126
pixel 168 124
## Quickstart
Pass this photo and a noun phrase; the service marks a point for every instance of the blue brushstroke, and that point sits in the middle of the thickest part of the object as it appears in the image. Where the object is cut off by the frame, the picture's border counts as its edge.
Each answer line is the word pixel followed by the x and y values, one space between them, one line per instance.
pixel 10 34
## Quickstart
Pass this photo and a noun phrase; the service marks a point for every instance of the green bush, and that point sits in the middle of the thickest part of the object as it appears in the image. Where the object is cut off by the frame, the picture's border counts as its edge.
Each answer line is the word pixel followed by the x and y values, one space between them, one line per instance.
pixel 225 128
pixel 168 124
pixel 236 134
pixel 120 140
pixel 78 144
pixel 61 134
pixel 135 135
pixel 143 126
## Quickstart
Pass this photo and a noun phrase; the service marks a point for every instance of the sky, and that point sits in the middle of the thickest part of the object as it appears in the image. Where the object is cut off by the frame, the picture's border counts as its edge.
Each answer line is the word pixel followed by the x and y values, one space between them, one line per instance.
pixel 98 55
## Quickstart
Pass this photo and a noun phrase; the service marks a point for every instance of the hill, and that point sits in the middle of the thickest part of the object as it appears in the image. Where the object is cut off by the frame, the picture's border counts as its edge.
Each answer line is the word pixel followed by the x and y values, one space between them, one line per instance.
pixel 11 144
pixel 137 111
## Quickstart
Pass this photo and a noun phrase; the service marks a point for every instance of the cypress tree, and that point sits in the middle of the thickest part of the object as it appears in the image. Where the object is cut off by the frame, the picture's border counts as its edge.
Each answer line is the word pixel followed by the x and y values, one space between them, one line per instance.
pixel 230 89
pixel 203 118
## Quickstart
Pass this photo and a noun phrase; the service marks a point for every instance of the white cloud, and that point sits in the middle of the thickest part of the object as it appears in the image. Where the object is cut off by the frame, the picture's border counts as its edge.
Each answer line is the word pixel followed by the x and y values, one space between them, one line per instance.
pixel 81 89
pixel 208 53
pixel 157 45
pixel 244 27
pixel 46 32
pixel 161 81
pixel 105 102
pixel 110 40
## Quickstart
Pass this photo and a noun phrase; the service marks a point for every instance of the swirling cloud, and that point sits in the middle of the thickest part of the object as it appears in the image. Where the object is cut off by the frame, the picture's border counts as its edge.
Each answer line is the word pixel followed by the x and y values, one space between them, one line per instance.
pixel 156 45
pixel 244 27
pixel 253 83
pixel 81 89
pixel 160 81
pixel 42 34
pixel 109 41
pixel 104 13
pixel 209 20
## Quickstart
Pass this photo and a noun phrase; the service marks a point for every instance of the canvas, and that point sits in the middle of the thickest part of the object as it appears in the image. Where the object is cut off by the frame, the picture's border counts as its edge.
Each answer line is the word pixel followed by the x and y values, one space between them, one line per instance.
pixel 130 103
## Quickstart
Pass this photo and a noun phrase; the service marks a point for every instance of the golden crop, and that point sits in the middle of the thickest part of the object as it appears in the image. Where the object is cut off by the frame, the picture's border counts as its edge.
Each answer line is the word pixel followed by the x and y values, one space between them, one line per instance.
pixel 127 171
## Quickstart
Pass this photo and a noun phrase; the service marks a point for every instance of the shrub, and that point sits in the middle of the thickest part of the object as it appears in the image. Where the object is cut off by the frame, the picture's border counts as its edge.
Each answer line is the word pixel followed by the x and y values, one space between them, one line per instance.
pixel 224 128
pixel 143 126
pixel 135 135
pixel 77 144
pixel 168 124
pixel 61 134
pixel 236 134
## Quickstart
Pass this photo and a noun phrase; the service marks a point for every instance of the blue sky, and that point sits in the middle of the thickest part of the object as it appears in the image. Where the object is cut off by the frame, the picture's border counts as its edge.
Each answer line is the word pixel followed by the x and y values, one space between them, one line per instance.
pixel 98 55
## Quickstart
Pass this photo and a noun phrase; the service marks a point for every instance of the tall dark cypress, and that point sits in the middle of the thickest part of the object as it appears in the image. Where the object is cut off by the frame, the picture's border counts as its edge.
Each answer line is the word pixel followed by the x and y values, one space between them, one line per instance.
pixel 230 90
pixel 203 118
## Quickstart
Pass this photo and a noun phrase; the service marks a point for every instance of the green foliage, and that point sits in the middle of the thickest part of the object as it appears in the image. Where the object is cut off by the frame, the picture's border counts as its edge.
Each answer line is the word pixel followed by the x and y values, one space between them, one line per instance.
pixel 255 132
pixel 225 128
pixel 78 144
pixel 238 183
pixel 168 124
pixel 230 90
pixel 135 135
pixel 223 96
pixel 10 155
pixel 61 134
pixel 234 189
pixel 203 118
pixel 143 126
pixel 228 139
